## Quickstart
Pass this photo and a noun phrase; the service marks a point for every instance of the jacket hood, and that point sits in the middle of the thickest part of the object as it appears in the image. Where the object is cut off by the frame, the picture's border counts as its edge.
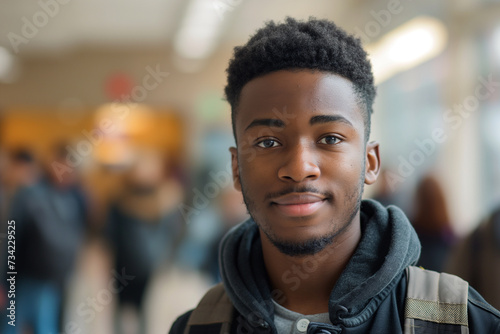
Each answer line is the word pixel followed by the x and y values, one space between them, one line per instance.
pixel 388 245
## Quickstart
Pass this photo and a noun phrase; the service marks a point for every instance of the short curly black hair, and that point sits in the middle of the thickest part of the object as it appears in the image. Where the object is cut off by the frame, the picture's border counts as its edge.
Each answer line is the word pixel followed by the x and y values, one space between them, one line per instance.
pixel 318 45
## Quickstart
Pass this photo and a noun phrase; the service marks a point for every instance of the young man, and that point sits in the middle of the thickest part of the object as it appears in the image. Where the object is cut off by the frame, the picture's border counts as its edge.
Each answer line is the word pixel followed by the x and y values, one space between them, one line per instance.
pixel 314 257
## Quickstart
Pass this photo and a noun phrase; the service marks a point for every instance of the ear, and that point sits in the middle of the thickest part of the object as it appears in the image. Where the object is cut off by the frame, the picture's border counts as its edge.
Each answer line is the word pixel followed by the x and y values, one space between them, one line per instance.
pixel 372 167
pixel 235 168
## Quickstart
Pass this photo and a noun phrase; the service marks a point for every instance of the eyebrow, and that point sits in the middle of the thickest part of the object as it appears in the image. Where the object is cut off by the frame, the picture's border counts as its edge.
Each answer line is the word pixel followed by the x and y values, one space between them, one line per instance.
pixel 271 122
pixel 321 119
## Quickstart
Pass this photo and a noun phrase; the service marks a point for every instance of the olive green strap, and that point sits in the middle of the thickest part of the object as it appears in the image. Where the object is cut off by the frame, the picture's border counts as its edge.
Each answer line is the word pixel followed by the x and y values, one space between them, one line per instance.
pixel 214 308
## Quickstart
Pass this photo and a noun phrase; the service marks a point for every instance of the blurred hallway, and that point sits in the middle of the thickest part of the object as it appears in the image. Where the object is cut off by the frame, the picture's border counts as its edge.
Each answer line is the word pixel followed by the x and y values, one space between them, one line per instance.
pixel 111 78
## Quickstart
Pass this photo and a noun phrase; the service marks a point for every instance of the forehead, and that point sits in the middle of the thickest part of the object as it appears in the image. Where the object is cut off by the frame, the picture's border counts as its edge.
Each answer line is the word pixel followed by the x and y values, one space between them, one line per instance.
pixel 303 93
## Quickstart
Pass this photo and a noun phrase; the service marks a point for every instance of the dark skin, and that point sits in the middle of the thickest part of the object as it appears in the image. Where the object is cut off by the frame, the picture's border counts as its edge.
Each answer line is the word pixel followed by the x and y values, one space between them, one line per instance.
pixel 301 162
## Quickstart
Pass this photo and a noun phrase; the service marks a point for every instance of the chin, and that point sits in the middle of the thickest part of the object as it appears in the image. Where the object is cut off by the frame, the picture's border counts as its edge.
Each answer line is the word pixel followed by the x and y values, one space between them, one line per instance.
pixel 299 240
pixel 306 247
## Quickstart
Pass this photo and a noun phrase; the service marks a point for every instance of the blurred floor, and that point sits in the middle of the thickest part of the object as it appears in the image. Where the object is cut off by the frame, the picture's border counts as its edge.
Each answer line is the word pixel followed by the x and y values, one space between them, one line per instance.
pixel 91 303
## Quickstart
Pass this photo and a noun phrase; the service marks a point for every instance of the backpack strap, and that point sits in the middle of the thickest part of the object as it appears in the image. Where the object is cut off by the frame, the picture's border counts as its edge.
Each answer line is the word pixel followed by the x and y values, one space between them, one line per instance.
pixel 213 314
pixel 435 302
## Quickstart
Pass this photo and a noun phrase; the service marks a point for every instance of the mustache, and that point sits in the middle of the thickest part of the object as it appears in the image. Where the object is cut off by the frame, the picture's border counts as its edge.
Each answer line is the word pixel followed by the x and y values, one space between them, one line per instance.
pixel 301 189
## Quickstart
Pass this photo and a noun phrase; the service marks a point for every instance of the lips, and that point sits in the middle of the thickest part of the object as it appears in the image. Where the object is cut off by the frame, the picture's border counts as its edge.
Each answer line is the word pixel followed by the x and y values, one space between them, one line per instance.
pixel 298 204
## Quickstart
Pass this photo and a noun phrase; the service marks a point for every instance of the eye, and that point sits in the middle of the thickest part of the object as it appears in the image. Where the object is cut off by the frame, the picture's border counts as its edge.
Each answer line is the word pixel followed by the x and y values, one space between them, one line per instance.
pixel 268 143
pixel 329 140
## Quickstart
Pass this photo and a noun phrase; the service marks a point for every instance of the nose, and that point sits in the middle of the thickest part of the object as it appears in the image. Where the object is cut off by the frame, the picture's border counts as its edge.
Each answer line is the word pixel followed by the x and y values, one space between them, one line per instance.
pixel 300 164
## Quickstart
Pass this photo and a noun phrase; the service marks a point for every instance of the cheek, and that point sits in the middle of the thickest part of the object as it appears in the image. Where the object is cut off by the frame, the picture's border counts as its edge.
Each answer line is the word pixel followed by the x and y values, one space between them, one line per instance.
pixel 253 176
pixel 257 177
pixel 343 166
pixel 343 175
pixel 246 152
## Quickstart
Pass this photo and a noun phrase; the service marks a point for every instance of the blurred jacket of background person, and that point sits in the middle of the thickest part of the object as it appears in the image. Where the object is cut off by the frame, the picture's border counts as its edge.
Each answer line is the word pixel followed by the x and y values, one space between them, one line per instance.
pixel 476 258
pixel 143 226
pixel 228 211
pixel 50 215
pixel 231 210
pixel 18 169
pixel 432 222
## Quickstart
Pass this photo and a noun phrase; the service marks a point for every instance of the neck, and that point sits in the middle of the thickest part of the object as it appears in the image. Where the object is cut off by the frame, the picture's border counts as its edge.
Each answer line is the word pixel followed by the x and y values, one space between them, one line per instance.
pixel 304 284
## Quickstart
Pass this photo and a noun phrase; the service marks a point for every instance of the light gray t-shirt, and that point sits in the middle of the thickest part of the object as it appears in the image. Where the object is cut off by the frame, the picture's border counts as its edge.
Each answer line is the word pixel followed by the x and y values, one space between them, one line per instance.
pixel 289 322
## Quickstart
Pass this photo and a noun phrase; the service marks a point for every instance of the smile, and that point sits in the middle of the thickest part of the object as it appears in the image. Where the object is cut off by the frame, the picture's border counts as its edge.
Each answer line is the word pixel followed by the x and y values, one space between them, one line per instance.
pixel 298 205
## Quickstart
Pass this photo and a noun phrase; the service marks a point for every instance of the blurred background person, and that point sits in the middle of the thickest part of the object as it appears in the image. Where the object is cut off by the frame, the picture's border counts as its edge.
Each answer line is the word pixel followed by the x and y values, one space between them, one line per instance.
pixel 18 169
pixel 476 258
pixel 206 209
pixel 50 214
pixel 385 193
pixel 432 222
pixel 231 211
pixel 200 248
pixel 143 226
pixel 388 190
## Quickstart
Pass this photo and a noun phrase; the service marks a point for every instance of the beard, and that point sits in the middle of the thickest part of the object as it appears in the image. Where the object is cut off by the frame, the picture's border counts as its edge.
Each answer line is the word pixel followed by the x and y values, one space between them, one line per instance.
pixel 314 245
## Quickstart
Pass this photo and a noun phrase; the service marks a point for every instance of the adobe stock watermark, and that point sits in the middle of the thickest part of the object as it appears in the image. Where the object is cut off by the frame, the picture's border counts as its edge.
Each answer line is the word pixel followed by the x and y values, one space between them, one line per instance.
pixel 221 7
pixel 88 309
pixel 454 117
pixel 381 18
pixel 31 25
pixel 120 110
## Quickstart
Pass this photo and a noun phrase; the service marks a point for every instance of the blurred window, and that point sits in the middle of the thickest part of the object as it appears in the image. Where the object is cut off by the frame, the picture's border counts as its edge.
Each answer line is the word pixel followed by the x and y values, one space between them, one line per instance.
pixel 489 48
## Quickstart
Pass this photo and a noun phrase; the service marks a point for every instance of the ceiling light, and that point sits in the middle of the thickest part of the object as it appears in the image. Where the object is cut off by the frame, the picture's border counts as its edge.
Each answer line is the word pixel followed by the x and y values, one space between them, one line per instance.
pixel 407 46
pixel 495 41
pixel 199 31
pixel 9 66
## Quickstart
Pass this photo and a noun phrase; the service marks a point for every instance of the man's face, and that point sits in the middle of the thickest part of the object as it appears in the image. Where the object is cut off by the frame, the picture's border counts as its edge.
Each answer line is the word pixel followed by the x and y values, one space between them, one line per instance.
pixel 301 160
